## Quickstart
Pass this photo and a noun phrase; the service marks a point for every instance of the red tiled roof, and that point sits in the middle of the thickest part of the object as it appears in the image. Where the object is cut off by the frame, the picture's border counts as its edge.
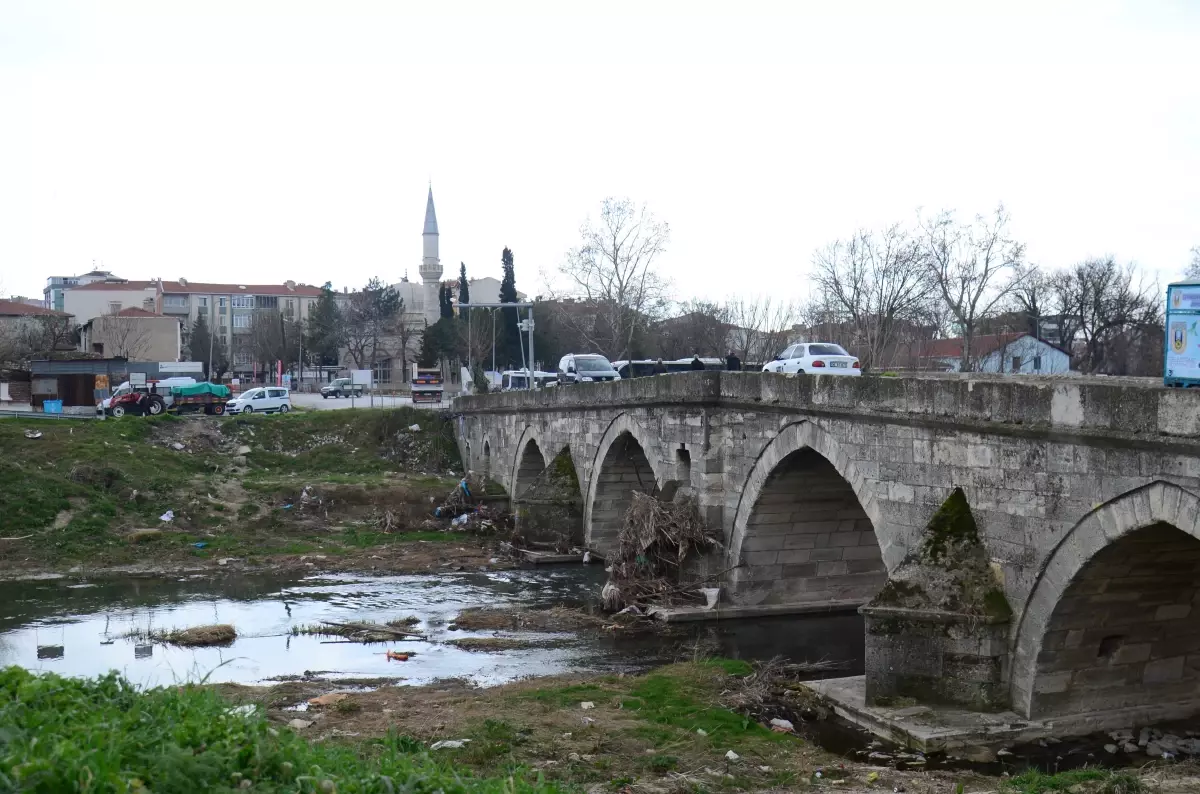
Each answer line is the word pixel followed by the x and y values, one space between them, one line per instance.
pixel 134 311
pixel 131 286
pixel 980 345
pixel 13 308
pixel 302 290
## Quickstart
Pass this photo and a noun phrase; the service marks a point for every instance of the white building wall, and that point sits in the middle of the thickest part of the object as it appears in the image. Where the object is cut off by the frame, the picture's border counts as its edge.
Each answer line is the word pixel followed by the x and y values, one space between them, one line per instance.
pixel 1036 358
pixel 86 304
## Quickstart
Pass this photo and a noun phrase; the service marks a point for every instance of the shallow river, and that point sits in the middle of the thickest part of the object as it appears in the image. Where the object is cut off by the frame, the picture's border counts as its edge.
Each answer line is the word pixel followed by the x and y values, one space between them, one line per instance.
pixel 75 627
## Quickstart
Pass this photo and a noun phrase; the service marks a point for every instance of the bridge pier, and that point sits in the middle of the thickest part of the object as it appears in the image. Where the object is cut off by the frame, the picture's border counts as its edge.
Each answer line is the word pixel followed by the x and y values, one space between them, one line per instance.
pixel 1085 493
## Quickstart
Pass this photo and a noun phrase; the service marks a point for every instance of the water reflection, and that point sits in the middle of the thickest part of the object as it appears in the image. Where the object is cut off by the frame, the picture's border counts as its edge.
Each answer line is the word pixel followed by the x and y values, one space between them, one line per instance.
pixel 80 628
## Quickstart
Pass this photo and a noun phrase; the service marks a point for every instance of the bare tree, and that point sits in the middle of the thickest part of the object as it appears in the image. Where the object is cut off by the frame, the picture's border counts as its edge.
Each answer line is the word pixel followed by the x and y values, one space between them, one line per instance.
pixel 878 285
pixel 974 268
pixel 612 270
pixel 1105 305
pixel 698 327
pixel 49 332
pixel 123 337
pixel 371 323
pixel 759 327
pixel 1193 268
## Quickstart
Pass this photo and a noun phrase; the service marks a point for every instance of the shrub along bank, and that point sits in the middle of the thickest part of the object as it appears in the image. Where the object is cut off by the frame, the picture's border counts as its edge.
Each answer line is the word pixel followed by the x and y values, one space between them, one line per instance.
pixel 101 735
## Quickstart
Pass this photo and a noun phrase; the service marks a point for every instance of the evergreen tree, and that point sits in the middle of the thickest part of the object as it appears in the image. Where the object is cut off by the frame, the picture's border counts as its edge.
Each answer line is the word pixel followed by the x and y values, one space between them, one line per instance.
pixel 326 330
pixel 202 343
pixel 509 346
pixel 464 289
pixel 445 301
pixel 428 355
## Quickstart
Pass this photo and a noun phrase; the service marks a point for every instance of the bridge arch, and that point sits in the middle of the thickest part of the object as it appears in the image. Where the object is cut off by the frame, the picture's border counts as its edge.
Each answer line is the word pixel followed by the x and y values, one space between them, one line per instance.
pixel 623 463
pixel 528 461
pixel 806 526
pixel 1111 621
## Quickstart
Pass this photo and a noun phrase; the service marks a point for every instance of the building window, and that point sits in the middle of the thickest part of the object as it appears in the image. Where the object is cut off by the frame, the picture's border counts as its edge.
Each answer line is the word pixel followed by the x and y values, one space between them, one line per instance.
pixel 264 302
pixel 243 301
pixel 114 307
pixel 221 307
pixel 1016 363
pixel 383 371
pixel 1037 363
pixel 241 321
pixel 203 302
pixel 289 308
pixel 176 301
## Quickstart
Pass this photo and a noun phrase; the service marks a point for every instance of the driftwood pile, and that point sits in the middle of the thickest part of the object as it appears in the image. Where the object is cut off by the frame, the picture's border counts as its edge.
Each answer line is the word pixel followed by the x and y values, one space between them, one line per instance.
pixel 652 546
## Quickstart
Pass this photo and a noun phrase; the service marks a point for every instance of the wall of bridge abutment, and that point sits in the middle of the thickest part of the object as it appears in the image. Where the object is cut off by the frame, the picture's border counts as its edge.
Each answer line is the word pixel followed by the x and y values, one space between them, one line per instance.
pixel 824 486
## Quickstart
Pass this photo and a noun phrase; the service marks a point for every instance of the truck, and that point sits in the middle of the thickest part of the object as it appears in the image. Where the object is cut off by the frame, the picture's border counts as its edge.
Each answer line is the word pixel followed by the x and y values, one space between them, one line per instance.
pixel 209 398
pixel 426 386
pixel 342 387
pixel 1181 361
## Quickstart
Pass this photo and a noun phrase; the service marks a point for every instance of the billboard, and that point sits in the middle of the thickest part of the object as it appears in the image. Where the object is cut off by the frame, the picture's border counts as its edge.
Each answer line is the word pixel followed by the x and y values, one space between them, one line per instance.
pixel 1183 333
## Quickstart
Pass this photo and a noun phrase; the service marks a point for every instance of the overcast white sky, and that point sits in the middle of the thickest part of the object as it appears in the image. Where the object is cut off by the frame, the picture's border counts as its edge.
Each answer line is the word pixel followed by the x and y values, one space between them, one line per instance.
pixel 262 141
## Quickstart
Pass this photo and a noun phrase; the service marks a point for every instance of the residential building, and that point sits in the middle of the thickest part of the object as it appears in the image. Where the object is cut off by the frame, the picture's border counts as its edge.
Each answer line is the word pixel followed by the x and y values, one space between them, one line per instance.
pixel 229 310
pixel 86 302
pixel 134 334
pixel 1016 353
pixel 54 293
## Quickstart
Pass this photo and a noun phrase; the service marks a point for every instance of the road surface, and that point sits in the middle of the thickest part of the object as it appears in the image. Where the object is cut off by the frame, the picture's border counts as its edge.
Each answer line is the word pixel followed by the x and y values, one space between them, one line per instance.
pixel 318 403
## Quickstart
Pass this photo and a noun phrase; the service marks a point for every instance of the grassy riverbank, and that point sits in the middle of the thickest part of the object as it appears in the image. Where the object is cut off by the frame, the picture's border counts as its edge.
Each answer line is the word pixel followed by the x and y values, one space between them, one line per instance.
pixel 671 730
pixel 95 492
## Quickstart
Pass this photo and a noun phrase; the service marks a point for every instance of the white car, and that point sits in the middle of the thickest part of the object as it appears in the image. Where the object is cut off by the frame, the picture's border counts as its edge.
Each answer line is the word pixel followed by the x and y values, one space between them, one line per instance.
pixel 815 358
pixel 263 400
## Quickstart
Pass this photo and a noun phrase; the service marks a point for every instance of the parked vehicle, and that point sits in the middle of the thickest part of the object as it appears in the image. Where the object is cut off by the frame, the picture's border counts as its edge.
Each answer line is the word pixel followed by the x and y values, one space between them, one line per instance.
pixel 342 387
pixel 815 358
pixel 158 393
pixel 518 379
pixel 584 368
pixel 263 400
pixel 210 398
pixel 426 386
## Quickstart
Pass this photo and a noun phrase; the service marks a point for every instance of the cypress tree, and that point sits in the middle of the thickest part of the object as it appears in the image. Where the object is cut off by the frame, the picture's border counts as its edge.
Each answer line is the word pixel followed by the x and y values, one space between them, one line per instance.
pixel 464 289
pixel 510 349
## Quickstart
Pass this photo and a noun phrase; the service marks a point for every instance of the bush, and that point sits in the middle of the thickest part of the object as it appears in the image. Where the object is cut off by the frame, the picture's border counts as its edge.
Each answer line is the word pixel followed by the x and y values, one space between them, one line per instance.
pixel 102 735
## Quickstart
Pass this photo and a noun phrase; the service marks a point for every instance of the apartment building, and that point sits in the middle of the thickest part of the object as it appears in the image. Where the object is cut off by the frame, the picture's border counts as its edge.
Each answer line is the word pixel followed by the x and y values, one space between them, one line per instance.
pixel 86 302
pixel 54 293
pixel 229 309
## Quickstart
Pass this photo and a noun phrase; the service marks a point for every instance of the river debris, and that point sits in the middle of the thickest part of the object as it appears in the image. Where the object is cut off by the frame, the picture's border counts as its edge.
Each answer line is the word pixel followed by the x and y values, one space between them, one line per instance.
pixel 652 546
pixel 500 619
pixel 363 631
pixel 491 644
pixel 195 637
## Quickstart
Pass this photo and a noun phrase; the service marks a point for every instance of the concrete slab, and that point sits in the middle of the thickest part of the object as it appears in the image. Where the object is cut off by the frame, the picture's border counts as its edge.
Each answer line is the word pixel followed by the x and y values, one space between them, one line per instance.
pixel 686 614
pixel 955 730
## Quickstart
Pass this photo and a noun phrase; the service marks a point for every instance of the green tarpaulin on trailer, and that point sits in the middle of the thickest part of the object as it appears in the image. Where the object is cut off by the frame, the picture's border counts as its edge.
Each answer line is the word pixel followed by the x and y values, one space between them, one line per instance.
pixel 199 389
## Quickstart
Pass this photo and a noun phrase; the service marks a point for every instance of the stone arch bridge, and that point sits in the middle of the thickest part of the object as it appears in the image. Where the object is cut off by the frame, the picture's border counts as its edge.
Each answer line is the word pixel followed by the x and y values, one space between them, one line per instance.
pixel 1086 495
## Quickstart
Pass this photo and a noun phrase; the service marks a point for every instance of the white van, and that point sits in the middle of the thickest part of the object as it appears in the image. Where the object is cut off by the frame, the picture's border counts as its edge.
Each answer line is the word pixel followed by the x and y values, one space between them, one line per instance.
pixel 263 400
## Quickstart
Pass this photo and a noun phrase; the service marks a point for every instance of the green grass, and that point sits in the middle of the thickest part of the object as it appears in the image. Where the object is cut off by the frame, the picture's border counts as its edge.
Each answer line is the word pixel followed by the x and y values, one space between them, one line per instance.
pixel 120 474
pixel 102 735
pixel 1091 781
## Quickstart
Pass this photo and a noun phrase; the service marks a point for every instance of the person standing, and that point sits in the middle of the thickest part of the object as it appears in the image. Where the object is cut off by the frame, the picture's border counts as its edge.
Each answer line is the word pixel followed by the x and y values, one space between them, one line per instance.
pixel 697 364
pixel 732 362
pixel 659 368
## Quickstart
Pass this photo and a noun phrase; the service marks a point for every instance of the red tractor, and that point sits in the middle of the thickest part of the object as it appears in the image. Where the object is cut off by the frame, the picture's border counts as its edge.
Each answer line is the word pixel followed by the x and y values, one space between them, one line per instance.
pixel 135 403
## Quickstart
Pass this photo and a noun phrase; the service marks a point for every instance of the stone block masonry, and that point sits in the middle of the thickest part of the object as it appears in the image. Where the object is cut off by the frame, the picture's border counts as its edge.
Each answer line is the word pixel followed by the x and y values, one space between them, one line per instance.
pixel 822 485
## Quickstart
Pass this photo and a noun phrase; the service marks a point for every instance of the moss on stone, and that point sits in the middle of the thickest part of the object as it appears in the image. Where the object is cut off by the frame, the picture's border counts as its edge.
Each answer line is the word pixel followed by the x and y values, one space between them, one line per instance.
pixel 952 526
pixel 996 605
